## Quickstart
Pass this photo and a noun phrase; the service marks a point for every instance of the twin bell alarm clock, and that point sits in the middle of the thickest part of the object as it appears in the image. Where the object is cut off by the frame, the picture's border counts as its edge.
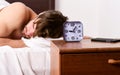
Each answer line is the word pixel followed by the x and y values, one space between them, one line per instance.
pixel 72 31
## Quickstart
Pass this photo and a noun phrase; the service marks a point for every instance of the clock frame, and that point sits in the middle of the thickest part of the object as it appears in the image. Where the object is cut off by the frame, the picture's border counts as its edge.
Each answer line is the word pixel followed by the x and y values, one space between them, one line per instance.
pixel 73 31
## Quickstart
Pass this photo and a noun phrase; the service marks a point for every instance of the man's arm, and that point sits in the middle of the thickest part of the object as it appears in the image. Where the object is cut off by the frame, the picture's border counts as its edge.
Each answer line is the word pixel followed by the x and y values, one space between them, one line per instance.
pixel 12 43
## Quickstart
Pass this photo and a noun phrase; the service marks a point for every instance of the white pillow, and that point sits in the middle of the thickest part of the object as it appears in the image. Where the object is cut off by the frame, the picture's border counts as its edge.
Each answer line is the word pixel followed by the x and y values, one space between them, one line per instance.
pixel 3 4
pixel 37 42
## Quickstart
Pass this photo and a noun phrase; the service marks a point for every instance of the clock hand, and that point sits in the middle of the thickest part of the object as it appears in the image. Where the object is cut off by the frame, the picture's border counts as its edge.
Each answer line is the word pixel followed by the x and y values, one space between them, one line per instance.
pixel 71 31
pixel 74 29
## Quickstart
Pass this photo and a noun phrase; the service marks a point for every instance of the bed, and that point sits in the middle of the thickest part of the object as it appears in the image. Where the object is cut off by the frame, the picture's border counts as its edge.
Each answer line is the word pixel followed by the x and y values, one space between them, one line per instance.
pixel 37 59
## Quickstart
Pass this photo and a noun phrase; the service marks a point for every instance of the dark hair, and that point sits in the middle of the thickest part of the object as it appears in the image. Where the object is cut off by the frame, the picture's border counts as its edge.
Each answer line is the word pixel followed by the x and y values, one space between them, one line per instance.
pixel 50 24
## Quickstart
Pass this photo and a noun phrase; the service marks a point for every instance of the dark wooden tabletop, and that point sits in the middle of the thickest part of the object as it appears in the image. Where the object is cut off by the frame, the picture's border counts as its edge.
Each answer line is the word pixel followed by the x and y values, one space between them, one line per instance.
pixel 86 45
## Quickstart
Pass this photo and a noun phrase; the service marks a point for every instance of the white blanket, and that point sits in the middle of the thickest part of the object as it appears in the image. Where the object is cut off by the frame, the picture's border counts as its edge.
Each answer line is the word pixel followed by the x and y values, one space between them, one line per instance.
pixel 3 4
pixel 33 60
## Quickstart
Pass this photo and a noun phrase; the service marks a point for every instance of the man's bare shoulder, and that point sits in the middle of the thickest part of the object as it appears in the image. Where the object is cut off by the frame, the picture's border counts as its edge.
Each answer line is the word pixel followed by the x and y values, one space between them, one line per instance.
pixel 11 18
pixel 4 30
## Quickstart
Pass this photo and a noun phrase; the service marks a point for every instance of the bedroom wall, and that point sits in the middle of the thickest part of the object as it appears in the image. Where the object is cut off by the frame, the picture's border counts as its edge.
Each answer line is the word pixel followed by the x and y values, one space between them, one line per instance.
pixel 99 17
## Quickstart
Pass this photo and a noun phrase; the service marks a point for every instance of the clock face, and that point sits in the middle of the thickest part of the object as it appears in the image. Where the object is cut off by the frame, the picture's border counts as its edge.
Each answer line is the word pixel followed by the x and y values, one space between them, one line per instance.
pixel 73 31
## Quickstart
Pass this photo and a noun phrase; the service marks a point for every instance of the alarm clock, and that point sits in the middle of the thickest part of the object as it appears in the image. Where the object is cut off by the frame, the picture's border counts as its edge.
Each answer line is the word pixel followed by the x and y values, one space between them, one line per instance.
pixel 72 31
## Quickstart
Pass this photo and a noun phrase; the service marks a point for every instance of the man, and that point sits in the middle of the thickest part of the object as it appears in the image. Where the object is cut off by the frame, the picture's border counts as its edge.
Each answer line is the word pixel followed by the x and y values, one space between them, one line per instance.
pixel 17 21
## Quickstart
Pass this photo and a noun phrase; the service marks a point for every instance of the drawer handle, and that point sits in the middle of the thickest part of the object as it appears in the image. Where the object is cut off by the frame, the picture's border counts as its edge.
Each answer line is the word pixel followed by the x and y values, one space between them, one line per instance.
pixel 113 61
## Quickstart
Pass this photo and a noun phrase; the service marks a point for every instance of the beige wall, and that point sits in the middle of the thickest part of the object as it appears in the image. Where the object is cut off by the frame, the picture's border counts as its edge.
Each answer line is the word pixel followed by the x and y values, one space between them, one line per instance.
pixel 99 17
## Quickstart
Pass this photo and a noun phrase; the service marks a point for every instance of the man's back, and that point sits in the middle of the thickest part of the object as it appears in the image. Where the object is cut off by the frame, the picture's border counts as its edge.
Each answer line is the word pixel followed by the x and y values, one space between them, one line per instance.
pixel 13 18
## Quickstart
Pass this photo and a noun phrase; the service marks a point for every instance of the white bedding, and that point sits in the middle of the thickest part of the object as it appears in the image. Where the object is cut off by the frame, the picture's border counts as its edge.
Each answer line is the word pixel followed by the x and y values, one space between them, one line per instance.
pixel 31 60
pixel 3 4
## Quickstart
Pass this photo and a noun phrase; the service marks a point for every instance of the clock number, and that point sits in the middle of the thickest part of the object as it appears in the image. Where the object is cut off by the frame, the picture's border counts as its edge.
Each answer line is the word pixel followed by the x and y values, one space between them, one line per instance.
pixel 66 31
pixel 72 37
pixel 80 36
pixel 72 24
pixel 79 31
pixel 77 38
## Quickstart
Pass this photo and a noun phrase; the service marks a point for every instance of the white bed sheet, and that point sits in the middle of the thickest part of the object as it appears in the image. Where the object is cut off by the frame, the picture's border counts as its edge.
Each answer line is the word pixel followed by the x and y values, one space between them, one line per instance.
pixel 31 60
pixel 3 4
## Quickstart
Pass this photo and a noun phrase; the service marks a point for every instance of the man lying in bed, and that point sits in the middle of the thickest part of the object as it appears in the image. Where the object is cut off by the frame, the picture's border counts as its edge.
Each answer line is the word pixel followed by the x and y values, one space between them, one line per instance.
pixel 18 20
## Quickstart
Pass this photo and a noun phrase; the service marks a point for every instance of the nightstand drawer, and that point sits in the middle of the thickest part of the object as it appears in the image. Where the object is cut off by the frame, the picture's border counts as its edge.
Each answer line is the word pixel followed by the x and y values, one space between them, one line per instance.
pixel 90 64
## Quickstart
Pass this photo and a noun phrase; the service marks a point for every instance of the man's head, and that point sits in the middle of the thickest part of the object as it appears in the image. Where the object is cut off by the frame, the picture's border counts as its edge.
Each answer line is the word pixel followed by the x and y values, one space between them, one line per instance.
pixel 50 24
pixel 46 24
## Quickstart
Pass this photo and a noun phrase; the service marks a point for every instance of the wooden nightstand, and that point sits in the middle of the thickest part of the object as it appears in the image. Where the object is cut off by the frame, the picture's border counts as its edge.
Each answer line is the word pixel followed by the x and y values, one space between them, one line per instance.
pixel 89 58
